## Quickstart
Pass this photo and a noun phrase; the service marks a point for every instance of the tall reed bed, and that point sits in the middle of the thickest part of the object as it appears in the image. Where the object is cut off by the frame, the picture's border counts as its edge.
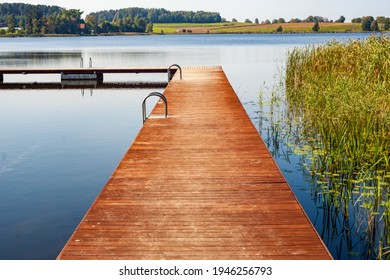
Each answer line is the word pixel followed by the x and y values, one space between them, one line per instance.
pixel 340 92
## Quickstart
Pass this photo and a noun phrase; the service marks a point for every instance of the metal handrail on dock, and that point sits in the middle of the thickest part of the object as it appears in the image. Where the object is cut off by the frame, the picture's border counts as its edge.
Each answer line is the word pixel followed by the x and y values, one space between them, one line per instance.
pixel 170 76
pixel 144 118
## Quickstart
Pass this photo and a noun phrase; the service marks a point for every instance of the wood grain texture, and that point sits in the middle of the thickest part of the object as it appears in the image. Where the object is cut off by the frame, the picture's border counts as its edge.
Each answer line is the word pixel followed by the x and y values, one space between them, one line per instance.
pixel 197 185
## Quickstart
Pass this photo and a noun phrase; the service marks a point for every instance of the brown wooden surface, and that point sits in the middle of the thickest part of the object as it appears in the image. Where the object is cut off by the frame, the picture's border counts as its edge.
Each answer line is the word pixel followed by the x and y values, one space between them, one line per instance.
pixel 197 185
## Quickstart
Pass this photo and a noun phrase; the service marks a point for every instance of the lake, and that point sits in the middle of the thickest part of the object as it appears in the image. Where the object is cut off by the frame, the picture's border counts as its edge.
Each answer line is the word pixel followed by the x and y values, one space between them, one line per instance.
pixel 59 147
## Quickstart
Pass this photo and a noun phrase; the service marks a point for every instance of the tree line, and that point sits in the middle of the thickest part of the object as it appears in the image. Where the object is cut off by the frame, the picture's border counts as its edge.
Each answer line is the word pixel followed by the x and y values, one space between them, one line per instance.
pixel 293 20
pixel 371 24
pixel 40 19
pixel 157 16
pixel 43 19
pixel 142 20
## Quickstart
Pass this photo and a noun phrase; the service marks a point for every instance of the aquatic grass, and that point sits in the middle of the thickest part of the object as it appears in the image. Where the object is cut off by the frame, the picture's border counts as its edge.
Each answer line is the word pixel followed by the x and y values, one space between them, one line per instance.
pixel 340 92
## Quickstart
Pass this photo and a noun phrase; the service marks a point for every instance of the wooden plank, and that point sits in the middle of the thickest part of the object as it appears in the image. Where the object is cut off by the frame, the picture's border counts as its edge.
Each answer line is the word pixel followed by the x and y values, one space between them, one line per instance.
pixel 197 185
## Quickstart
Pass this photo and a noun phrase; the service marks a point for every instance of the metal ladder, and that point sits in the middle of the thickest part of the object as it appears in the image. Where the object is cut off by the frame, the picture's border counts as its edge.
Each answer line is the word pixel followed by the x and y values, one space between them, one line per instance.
pixel 170 75
pixel 144 118
pixel 82 62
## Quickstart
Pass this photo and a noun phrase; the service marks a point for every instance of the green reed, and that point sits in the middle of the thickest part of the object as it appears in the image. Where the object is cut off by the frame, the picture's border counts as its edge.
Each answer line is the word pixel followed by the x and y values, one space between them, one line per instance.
pixel 340 93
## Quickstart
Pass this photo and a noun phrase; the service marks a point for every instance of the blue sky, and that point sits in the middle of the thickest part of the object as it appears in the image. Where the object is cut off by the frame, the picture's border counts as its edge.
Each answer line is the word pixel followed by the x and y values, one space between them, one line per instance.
pixel 241 9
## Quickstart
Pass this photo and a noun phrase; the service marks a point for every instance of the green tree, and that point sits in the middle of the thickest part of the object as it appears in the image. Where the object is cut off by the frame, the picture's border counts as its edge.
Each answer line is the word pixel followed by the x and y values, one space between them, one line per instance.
pixel 357 20
pixel 295 20
pixel 36 26
pixel 149 27
pixel 366 23
pixel 92 23
pixel 234 20
pixel 381 20
pixel 341 19
pixel 50 25
pixel 11 24
pixel 248 20
pixel 140 24
pixel 106 26
pixel 374 26
pixel 310 19
pixel 21 23
pixel 386 25
pixel 279 29
pixel 316 27
pixel 281 20
pixel 257 21
pixel 69 21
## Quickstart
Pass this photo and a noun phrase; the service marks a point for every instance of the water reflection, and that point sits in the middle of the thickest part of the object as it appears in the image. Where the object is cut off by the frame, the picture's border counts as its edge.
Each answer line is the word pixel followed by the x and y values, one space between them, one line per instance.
pixel 87 84
pixel 57 150
pixel 39 59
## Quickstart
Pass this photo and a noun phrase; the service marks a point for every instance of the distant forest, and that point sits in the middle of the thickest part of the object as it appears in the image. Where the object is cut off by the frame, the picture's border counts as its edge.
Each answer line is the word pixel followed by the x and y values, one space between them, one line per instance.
pixel 157 16
pixel 20 19
pixel 42 19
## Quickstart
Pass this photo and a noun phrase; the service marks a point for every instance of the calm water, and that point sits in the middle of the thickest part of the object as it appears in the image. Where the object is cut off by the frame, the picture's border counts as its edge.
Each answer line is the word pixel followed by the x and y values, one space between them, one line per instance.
pixel 58 147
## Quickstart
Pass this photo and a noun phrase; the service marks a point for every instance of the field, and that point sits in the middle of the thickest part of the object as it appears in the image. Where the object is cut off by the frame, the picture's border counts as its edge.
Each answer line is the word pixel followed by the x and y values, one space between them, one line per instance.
pixel 238 27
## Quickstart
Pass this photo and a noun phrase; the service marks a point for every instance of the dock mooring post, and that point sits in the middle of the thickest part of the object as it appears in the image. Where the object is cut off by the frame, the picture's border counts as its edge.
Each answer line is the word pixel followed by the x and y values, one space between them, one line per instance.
pixel 1 78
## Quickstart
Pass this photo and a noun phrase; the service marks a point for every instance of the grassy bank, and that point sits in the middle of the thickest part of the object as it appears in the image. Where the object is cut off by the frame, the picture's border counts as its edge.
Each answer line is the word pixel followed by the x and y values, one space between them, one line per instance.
pixel 238 27
pixel 340 93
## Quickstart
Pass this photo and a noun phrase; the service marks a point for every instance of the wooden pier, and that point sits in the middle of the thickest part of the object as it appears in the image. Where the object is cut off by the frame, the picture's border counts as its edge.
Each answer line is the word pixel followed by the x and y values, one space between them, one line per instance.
pixel 197 185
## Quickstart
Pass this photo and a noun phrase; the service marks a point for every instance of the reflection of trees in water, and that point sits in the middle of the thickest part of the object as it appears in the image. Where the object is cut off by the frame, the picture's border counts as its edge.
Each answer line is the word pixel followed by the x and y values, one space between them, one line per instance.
pixel 18 59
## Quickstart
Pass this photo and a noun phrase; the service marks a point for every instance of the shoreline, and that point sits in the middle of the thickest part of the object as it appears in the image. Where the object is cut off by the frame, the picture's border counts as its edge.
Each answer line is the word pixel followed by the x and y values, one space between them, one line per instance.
pixel 183 34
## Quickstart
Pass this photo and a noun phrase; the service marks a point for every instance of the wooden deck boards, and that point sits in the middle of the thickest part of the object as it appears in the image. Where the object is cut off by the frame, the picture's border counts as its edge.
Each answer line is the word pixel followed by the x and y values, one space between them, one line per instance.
pixel 197 185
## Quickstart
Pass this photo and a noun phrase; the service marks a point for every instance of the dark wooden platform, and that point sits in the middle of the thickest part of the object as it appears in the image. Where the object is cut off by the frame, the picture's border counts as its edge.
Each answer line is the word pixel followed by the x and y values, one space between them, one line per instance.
pixel 93 70
pixel 197 185
pixel 92 73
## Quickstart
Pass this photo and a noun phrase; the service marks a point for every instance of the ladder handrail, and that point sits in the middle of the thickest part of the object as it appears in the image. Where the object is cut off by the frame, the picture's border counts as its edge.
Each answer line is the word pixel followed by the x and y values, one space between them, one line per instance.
pixel 144 118
pixel 170 76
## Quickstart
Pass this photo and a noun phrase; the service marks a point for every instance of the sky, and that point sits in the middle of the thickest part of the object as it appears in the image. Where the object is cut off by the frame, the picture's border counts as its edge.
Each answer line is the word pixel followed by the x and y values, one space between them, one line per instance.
pixel 239 9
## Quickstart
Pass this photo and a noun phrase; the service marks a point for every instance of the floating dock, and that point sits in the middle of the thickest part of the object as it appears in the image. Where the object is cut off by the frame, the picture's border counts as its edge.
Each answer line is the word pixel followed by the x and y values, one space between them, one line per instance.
pixel 199 185
pixel 91 73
